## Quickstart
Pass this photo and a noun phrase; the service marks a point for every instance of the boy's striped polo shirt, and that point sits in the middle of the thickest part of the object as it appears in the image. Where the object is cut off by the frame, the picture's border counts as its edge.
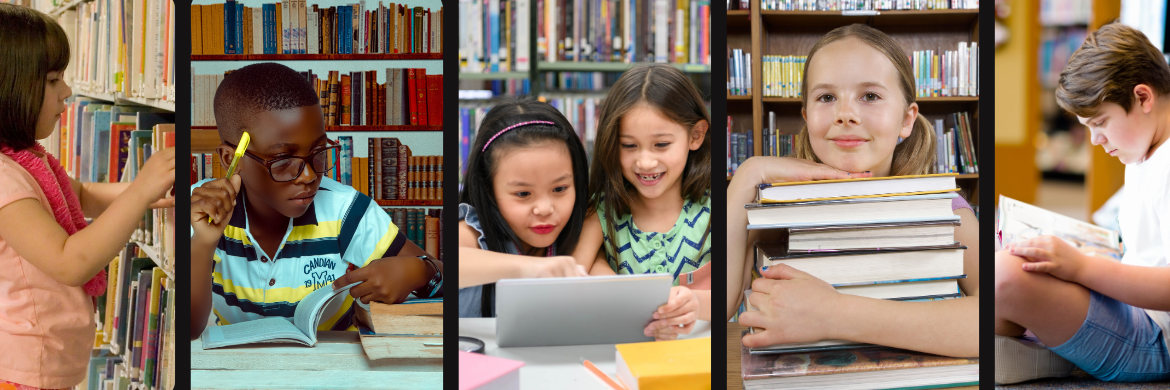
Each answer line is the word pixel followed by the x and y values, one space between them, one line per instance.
pixel 342 227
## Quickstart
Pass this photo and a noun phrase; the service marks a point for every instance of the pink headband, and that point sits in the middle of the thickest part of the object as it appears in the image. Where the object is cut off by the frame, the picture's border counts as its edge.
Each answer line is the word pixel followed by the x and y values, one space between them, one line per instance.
pixel 489 142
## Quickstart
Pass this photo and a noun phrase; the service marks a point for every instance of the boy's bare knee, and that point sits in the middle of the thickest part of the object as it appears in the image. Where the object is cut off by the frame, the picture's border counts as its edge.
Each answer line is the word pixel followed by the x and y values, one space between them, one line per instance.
pixel 1011 281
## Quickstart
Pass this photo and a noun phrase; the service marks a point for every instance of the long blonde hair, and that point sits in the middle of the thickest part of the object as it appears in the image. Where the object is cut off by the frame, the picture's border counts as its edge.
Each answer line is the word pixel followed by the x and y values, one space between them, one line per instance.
pixel 916 154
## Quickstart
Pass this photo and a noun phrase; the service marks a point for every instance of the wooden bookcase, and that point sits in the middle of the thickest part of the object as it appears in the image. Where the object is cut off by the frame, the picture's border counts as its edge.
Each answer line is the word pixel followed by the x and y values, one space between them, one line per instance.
pixel 762 33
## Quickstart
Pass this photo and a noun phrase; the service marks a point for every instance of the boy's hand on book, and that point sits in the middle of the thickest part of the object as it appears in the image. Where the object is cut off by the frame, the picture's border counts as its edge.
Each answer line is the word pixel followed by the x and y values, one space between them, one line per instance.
pixel 676 317
pixel 793 307
pixel 769 169
pixel 156 177
pixel 389 280
pixel 551 267
pixel 217 199
pixel 1051 255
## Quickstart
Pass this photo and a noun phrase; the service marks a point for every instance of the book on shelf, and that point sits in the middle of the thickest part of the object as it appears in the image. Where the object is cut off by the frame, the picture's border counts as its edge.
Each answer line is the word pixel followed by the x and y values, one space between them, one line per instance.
pixel 297 27
pixel 1018 221
pixel 498 38
pixel 739 72
pixel 783 75
pixel 421 226
pixel 864 5
pixel 138 323
pixel 580 111
pixel 409 97
pixel 674 364
pixel 955 145
pixel 855 367
pixel 948 72
pixel 301 329
pixel 122 48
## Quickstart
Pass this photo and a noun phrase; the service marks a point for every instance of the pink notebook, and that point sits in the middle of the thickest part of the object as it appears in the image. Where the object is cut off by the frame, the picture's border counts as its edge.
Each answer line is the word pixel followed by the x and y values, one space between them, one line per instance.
pixel 477 371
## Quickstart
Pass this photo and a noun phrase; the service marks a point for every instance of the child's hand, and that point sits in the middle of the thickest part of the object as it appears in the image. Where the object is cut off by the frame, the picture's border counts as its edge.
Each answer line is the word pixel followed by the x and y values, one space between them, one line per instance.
pixel 216 198
pixel 552 267
pixel 389 280
pixel 676 317
pixel 1050 254
pixel 156 177
pixel 793 307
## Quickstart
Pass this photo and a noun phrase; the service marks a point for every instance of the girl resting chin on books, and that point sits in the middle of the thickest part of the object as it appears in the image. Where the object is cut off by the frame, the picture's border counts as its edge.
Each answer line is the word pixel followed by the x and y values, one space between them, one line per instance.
pixel 853 122
pixel 54 263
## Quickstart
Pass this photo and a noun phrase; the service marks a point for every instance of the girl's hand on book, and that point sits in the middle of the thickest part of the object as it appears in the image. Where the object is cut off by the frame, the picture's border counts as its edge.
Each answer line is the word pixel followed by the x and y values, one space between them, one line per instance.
pixel 551 267
pixel 676 317
pixel 1050 254
pixel 793 307
pixel 769 169
pixel 217 199
pixel 389 280
pixel 156 177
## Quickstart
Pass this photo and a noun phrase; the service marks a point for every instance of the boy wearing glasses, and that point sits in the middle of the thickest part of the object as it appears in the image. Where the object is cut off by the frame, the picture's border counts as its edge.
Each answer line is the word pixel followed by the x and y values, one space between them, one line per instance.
pixel 280 228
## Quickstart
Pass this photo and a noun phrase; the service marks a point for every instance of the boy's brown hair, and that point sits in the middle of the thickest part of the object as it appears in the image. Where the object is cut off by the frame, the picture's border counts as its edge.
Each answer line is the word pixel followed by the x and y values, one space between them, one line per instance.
pixel 1112 61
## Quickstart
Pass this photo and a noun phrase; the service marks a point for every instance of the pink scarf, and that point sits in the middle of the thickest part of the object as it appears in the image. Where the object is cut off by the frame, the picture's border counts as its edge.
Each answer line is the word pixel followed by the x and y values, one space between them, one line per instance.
pixel 59 191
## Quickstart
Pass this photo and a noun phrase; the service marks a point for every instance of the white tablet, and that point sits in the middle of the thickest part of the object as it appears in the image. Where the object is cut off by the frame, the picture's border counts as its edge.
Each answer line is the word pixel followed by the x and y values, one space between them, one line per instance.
pixel 578 311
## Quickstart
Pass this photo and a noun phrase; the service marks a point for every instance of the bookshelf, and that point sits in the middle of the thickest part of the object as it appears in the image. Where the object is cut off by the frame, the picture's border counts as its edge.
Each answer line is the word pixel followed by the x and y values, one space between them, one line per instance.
pixel 118 102
pixel 423 139
pixel 793 33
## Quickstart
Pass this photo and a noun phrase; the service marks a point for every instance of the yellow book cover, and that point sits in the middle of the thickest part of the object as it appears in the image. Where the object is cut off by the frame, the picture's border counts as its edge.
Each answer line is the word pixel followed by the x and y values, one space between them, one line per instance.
pixel 760 192
pixel 678 364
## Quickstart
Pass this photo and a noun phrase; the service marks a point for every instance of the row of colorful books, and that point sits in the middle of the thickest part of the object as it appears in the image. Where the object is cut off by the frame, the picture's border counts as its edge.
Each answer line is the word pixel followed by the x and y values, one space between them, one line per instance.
pixel 783 75
pixel 865 5
pixel 97 138
pixel 135 341
pixel 889 238
pixel 947 73
pixel 396 174
pixel 294 27
pixel 955 145
pixel 579 110
pixel 772 143
pixel 582 31
pixel 408 97
pixel 122 47
pixel 739 72
pixel 424 227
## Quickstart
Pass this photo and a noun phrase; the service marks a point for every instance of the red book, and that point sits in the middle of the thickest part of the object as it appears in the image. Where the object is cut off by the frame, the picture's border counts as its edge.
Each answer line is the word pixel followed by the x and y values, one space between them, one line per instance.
pixel 412 101
pixel 421 95
pixel 194 171
pixel 435 100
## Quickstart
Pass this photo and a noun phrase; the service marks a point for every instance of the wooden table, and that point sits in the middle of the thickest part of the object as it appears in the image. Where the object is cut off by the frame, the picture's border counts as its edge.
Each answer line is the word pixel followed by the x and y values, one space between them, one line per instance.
pixel 734 381
pixel 337 361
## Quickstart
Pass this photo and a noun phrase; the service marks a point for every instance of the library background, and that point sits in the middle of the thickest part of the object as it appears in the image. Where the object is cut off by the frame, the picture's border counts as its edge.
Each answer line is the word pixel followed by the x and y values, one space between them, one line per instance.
pixel 122 110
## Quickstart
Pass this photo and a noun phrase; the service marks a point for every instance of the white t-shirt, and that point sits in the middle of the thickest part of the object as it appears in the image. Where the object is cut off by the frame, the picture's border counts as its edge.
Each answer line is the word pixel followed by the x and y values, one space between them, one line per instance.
pixel 1144 218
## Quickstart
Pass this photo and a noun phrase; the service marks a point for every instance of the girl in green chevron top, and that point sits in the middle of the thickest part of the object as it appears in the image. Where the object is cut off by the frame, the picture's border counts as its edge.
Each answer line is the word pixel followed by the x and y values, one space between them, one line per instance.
pixel 651 180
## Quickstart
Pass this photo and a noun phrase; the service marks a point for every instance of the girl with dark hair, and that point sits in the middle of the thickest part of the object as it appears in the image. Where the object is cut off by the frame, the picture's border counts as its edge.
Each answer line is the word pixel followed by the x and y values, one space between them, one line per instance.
pixel 54 263
pixel 522 203
pixel 651 181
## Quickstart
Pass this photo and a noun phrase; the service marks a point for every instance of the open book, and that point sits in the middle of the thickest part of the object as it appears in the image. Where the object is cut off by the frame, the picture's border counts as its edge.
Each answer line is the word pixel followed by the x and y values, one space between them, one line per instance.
pixel 1020 221
pixel 302 329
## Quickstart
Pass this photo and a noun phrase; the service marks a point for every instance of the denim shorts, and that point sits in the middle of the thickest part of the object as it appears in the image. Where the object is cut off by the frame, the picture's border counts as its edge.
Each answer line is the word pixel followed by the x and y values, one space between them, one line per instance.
pixel 1118 343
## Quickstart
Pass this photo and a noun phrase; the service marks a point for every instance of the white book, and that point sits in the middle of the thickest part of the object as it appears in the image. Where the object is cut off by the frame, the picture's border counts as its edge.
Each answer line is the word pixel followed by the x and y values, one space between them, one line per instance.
pixel 302 328
pixel 150 70
pixel 660 34
pixel 258 30
pixel 679 35
pixel 137 48
pixel 293 25
pixel 550 29
pixel 475 36
pixel 974 89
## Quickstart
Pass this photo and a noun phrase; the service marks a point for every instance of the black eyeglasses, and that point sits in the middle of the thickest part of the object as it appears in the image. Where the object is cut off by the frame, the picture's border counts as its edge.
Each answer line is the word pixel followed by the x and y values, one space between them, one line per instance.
pixel 285 169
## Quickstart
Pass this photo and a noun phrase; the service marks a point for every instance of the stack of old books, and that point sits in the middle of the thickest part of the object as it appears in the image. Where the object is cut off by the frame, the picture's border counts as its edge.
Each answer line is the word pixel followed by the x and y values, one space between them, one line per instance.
pixel 883 238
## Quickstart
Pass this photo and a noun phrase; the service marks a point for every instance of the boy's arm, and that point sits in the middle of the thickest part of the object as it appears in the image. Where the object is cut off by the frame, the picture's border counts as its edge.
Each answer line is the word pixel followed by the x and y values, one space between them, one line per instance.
pixel 1144 287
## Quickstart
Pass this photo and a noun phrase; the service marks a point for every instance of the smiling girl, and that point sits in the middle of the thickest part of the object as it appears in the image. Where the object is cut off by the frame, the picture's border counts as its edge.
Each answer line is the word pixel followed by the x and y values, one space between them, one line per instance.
pixel 853 121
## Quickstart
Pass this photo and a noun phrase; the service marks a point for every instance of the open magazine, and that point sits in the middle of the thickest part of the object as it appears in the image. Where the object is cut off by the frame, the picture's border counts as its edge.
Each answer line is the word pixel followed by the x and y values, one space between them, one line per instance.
pixel 302 329
pixel 1021 221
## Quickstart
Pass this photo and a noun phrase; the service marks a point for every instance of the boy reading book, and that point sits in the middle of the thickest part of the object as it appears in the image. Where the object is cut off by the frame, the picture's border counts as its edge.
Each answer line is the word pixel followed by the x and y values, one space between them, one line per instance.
pixel 1108 318
pixel 282 230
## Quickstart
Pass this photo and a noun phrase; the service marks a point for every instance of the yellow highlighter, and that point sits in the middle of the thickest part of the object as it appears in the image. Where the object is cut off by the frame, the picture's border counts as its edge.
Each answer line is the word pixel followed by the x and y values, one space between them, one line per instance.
pixel 244 140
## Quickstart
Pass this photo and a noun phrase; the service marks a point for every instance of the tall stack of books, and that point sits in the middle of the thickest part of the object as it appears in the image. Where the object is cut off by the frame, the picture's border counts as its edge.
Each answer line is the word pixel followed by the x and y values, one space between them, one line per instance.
pixel 882 238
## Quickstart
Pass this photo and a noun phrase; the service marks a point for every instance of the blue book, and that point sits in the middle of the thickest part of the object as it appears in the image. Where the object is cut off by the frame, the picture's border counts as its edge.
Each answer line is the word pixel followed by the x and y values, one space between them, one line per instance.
pixel 239 33
pixel 101 147
pixel 229 27
pixel 348 23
